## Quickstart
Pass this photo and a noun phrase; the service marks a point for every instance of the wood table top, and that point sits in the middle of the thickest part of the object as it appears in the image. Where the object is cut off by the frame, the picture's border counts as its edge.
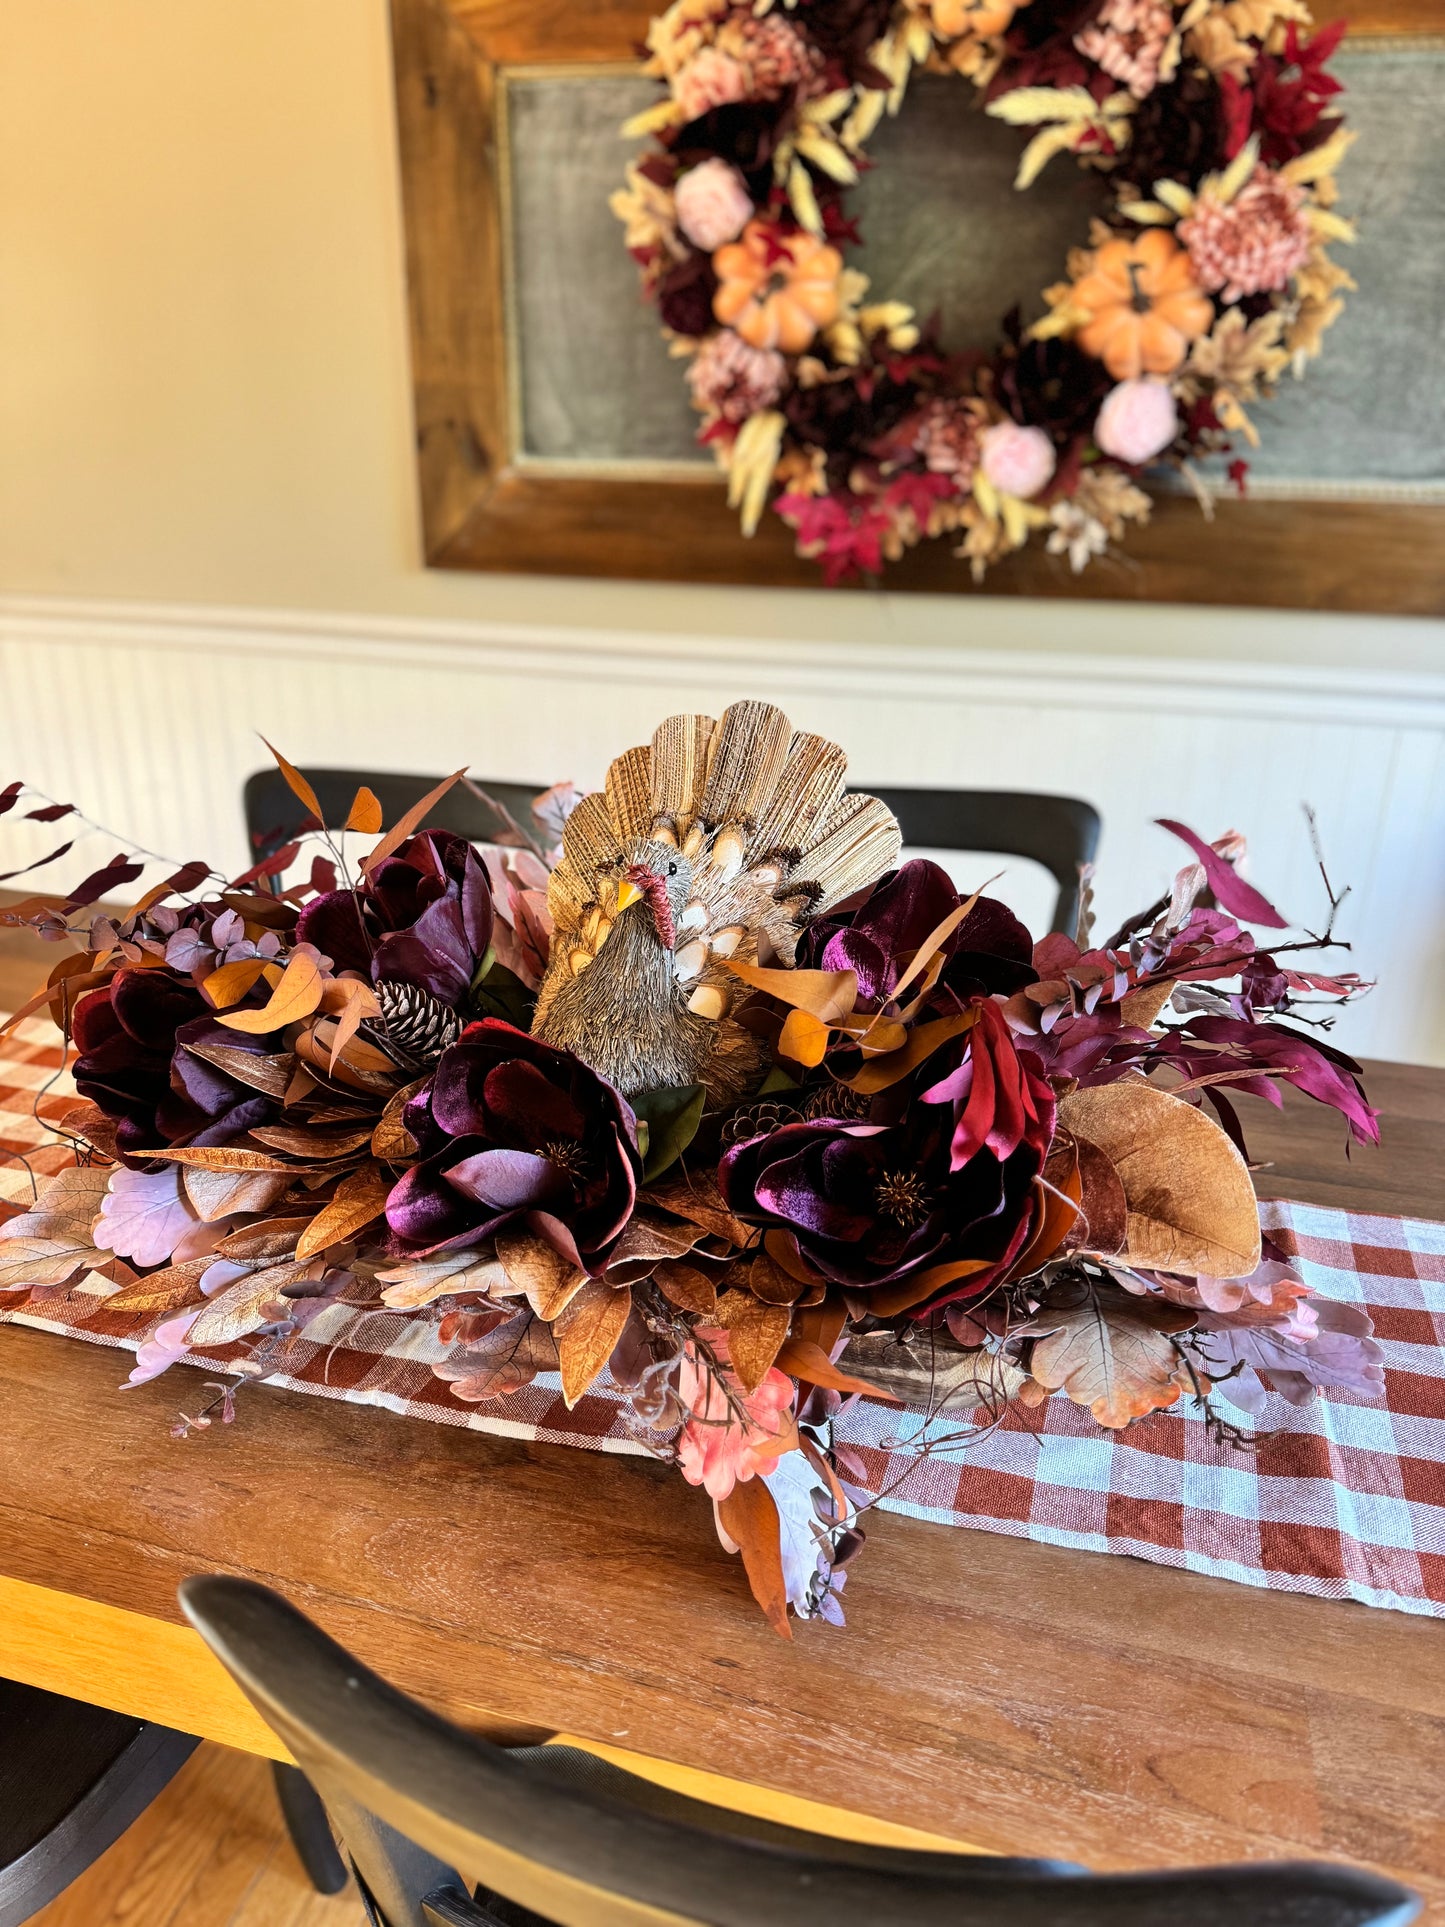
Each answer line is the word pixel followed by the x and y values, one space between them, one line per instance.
pixel 1020 1696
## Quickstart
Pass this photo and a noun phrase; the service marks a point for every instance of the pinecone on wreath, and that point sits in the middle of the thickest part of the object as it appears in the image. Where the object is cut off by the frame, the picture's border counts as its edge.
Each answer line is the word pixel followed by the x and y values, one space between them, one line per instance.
pixel 414 1024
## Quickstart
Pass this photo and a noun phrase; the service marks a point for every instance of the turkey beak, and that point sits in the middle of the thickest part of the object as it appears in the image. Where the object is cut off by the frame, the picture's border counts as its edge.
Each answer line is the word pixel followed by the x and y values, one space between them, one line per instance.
pixel 627 892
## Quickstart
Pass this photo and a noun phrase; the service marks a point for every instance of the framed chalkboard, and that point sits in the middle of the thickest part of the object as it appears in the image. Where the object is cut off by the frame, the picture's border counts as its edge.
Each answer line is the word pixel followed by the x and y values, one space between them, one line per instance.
pixel 554 432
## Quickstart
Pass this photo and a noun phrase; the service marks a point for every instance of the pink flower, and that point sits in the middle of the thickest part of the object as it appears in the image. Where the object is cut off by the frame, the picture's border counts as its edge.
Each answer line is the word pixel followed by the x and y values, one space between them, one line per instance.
pixel 775 56
pixel 1018 461
pixel 1137 421
pixel 729 1435
pixel 1127 41
pixel 1252 244
pixel 710 79
pixel 729 378
pixel 947 437
pixel 713 204
pixel 166 1344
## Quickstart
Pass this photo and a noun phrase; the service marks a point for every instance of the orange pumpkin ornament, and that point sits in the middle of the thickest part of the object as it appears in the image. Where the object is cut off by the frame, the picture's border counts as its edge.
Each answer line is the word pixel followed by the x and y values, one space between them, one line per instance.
pixel 777 290
pixel 978 19
pixel 1142 306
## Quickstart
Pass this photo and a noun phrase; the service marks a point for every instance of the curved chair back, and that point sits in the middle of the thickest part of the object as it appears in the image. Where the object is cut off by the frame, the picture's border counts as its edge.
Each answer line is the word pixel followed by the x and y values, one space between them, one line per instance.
pixel 582 1844
pixel 274 815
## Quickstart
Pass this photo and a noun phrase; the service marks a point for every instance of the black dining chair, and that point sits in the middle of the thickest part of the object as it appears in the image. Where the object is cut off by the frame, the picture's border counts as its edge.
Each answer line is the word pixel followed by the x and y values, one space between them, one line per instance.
pixel 72 1779
pixel 562 1839
pixel 1059 832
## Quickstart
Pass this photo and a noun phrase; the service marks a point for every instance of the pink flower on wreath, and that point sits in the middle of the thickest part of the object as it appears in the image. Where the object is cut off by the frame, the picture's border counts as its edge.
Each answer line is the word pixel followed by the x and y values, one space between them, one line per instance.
pixel 710 79
pixel 1128 40
pixel 713 204
pixel 730 378
pixel 1253 244
pixel 1018 461
pixel 730 1435
pixel 948 439
pixel 1137 421
pixel 775 56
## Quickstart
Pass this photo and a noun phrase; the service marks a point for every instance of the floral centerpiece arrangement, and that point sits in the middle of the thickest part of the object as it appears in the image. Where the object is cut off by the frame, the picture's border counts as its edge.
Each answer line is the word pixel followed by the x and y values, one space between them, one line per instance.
pixel 713 1100
pixel 1211 125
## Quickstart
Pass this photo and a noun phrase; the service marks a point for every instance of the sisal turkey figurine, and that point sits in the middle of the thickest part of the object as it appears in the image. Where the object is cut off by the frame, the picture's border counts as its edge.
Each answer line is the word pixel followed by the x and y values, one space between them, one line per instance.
pixel 718 841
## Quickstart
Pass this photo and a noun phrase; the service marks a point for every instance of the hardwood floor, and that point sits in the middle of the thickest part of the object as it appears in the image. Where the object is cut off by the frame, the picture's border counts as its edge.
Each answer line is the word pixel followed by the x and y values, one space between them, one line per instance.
pixel 211 1851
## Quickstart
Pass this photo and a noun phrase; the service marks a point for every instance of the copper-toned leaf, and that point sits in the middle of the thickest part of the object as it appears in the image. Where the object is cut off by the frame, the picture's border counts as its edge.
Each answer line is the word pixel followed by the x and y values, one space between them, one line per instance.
pixel 1142 1006
pixel 755 1333
pixel 1192 1208
pixel 46 1258
pixel 766 1279
pixel 221 1157
pixel 219 1194
pixel 242 1307
pixel 260 907
pixel 648 1237
pixel 695 1196
pixel 391 1141
pixel 1101 1198
pixel 687 1288
pixel 166 1290
pixel 313 1141
pixel 270 1239
pixel 420 1281
pixel 411 820
pixel 933 943
pixel 88 1121
pixel 749 1516
pixel 1056 1210
pixel 502 1360
pixel 822 1324
pixel 881 1072
pixel 785 1254
pixel 258 1070
pixel 549 1281
pixel 825 994
pixel 351 1003
pixel 233 981
pixel 803 1038
pixel 364 816
pixel 802 1359
pixel 359 1201
pixel 295 997
pixel 1110 1352
pixel 912 1291
pixel 297 783
pixel 587 1331
pixel 357 1068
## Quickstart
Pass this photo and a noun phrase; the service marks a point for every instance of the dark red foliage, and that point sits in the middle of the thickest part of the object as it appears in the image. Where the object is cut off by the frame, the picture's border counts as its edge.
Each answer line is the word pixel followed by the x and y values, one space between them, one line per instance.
pixel 684 295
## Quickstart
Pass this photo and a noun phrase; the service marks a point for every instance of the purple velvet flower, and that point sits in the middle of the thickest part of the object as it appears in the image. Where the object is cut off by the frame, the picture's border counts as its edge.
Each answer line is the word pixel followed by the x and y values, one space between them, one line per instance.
pixel 989 951
pixel 423 917
pixel 513 1131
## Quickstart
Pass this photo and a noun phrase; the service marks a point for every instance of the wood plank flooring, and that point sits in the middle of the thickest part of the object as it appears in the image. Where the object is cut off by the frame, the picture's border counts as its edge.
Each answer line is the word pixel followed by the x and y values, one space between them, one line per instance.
pixel 210 1851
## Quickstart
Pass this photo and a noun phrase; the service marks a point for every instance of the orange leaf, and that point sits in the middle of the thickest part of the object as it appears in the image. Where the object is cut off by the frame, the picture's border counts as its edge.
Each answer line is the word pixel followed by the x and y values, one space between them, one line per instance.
pixel 549 1281
pixel 755 1332
pixel 296 782
pixel 922 1043
pixel 687 1288
pixel 164 1290
pixel 932 943
pixel 350 1002
pixel 827 995
pixel 230 983
pixel 822 1324
pixel 295 996
pixel 225 1157
pixel 365 813
pixel 749 1516
pixel 923 1284
pixel 405 824
pixel 803 1038
pixel 800 1358
pixel 587 1331
pixel 359 1200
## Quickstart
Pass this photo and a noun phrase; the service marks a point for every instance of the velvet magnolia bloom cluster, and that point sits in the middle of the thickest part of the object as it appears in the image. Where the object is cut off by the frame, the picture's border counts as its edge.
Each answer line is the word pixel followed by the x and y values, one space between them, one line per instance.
pixel 1207 278
pixel 710 1109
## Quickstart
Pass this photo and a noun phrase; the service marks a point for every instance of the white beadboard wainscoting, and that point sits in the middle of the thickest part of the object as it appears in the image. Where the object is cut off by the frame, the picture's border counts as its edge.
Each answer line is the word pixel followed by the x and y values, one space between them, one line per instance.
pixel 148 716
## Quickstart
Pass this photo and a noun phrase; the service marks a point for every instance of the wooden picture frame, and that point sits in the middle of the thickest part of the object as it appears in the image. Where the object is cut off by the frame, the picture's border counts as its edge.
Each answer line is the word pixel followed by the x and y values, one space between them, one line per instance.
pixel 481 509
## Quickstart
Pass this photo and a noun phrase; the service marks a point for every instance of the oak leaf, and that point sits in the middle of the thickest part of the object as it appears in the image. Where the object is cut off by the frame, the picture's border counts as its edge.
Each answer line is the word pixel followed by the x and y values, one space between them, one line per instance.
pixel 421 1281
pixel 502 1361
pixel 1110 1352
pixel 549 1281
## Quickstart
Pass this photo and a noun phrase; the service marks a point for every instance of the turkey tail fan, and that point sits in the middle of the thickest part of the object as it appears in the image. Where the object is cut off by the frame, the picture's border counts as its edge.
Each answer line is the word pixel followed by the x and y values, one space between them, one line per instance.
pixel 810 783
pixel 858 840
pixel 749 750
pixel 568 895
pixel 679 768
pixel 629 794
pixel 589 842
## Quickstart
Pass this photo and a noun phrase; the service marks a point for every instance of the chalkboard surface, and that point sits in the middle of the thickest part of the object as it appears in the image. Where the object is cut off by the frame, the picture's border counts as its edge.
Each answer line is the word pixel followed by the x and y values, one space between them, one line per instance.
pixel 944 229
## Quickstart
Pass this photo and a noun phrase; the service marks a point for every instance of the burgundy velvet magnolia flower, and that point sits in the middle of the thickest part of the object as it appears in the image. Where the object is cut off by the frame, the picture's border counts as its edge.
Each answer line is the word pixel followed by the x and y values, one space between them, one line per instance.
pixel 131 1035
pixel 514 1131
pixel 942 1199
pixel 423 917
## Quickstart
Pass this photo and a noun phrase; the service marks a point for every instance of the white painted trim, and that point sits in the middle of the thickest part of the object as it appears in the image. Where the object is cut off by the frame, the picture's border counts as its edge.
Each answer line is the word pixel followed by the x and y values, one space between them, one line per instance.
pixel 895 673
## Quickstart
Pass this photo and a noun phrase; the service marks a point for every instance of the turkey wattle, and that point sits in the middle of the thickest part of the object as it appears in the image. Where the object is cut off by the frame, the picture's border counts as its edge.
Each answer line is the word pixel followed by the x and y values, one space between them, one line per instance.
pixel 718 841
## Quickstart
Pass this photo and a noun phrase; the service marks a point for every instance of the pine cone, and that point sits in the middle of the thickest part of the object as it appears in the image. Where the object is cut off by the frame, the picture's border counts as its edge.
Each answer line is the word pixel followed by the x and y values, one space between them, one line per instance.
pixel 414 1023
pixel 752 1120
pixel 836 1100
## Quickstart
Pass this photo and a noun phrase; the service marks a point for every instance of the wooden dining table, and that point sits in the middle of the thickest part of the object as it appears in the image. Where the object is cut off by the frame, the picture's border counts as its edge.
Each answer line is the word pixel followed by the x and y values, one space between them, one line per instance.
pixel 1016 1696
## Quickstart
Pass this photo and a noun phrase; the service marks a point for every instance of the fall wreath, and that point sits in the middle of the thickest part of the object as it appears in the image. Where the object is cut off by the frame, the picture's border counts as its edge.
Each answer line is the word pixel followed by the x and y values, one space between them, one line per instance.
pixel 1206 281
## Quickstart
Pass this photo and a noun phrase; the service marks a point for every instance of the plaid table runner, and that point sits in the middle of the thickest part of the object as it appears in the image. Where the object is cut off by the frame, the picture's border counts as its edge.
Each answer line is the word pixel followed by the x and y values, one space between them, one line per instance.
pixel 1344 1498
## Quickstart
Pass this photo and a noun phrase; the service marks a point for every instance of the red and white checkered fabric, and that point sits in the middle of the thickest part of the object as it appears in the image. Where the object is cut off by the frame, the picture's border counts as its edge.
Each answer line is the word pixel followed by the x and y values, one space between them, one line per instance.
pixel 1344 1498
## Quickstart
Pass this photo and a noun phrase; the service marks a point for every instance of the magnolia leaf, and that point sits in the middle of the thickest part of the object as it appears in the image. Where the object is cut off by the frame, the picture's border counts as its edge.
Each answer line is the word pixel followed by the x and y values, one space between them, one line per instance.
pixel 364 816
pixel 223 1157
pixel 391 1141
pixel 218 1194
pixel 800 1358
pixel 1111 1352
pixel 695 1196
pixel 359 1201
pixel 258 1070
pixel 1141 1007
pixel 168 1290
pixel 755 1333
pixel 1192 1208
pixel 803 1039
pixel 749 1517
pixel 232 981
pixel 546 1277
pixel 46 1259
pixel 765 1278
pixel 265 1242
pixel 587 1331
pixel 672 1115
pixel 912 1291
pixel 827 995
pixel 687 1288
pixel 294 997
pixel 647 1237
pixel 410 820
pixel 882 1072
pixel 311 1140
pixel 1056 1213
pixel 242 1307
pixel 297 783
pixel 421 1281
pixel 1102 1201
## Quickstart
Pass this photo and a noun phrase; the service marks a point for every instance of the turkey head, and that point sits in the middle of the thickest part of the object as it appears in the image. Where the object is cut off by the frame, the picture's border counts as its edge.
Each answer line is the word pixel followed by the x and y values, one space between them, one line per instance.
pixel 716 841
